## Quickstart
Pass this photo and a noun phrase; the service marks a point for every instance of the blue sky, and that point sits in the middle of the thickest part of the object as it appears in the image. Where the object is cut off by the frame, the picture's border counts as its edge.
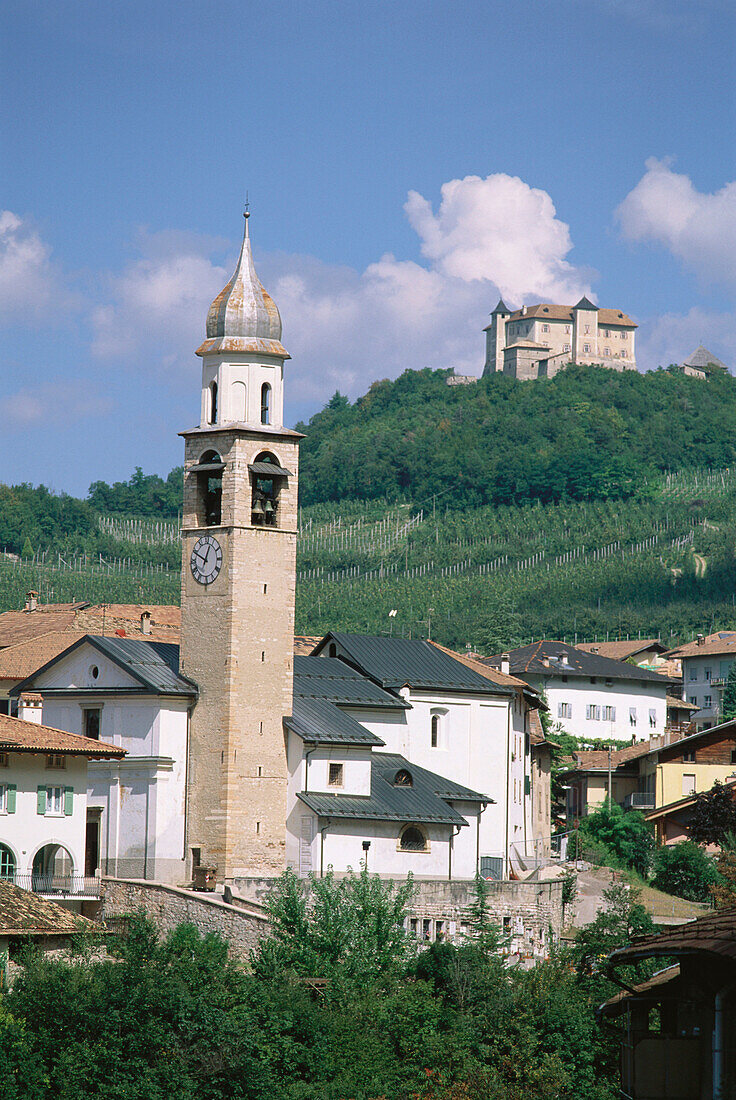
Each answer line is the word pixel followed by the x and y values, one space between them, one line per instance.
pixel 406 162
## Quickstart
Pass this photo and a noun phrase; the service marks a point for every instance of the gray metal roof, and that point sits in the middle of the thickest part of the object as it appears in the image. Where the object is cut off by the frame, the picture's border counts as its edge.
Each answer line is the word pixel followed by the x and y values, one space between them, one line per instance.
pixel 155 665
pixel 322 722
pixel 329 678
pixel 394 662
pixel 420 802
pixel 566 660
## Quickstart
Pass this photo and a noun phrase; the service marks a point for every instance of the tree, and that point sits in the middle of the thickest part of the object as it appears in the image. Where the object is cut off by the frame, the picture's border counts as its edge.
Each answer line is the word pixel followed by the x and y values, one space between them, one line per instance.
pixel 729 695
pixel 684 870
pixel 625 835
pixel 714 813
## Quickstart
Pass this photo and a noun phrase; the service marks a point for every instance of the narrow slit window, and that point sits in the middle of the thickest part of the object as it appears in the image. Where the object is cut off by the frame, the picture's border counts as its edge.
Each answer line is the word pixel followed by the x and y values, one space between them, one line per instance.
pixel 213 402
pixel 265 403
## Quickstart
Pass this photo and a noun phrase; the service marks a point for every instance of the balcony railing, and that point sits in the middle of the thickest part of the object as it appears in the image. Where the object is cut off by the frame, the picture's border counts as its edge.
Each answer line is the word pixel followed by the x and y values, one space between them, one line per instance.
pixel 639 800
pixel 56 886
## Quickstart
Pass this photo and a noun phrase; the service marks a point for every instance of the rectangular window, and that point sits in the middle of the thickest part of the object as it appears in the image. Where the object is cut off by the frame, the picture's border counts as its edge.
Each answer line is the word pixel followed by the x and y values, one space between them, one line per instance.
pixel 55 760
pixel 652 717
pixel 55 801
pixel 92 723
pixel 4 760
pixel 565 347
pixel 335 775
pixel 592 713
pixel 586 347
pixel 3 799
pixel 623 335
pixel 708 701
pixel 689 757
pixel 567 330
pixel 688 784
pixel 733 756
pixel 724 668
pixel 609 714
pixel 606 351
pixel 587 330
pixel 545 328
pixel 693 673
pixel 708 673
pixel 4 706
pixel 632 716
pixel 694 700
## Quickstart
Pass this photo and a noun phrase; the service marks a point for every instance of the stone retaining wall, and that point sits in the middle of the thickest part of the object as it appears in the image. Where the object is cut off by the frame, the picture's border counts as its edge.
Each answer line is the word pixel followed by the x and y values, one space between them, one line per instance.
pixel 241 925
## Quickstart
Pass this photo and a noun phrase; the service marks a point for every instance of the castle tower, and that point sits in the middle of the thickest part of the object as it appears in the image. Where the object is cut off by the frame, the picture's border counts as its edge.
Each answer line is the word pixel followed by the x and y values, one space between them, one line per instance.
pixel 585 331
pixel 238 583
pixel 496 338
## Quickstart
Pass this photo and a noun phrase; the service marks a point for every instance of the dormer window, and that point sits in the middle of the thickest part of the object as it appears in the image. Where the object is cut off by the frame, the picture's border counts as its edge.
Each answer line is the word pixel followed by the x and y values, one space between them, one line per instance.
pixel 265 403
pixel 403 778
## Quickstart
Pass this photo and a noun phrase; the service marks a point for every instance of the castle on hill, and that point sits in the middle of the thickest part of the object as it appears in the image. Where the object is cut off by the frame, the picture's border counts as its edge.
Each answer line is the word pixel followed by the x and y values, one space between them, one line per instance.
pixel 537 341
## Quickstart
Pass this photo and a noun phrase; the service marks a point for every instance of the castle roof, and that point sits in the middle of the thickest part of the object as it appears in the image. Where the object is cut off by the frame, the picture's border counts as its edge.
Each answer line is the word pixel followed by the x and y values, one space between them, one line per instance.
pixel 501 307
pixel 703 359
pixel 585 303
pixel 548 311
pixel 244 316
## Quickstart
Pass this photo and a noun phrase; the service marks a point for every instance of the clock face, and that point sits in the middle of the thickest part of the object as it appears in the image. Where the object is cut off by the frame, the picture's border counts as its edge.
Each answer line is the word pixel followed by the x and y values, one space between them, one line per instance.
pixel 206 559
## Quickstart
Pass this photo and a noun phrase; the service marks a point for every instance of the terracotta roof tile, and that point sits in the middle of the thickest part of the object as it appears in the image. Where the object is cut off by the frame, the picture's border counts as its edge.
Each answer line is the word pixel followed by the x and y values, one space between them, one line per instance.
pixel 722 642
pixel 305 643
pixel 17 735
pixel 86 618
pixel 620 650
pixel 19 661
pixel 492 674
pixel 546 311
pixel 25 914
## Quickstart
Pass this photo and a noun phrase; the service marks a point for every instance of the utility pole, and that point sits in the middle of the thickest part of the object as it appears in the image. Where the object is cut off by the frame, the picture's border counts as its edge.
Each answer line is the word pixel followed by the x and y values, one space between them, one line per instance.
pixel 610 800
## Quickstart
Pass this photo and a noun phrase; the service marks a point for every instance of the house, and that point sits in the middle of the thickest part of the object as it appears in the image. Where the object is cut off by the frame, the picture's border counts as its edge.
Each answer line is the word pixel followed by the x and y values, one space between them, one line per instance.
pixel 470 726
pixel 705 666
pixel 645 652
pixel 537 341
pixel 44 822
pixel 651 774
pixel 127 693
pixel 678 1028
pixel 672 822
pixel 591 696
pixel 702 364
pixel 27 916
pixel 37 633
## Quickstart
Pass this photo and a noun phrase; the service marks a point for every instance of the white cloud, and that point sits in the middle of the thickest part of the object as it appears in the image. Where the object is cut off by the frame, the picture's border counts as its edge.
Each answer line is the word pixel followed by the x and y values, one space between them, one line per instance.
pixel 502 230
pixel 30 286
pixel 699 229
pixel 55 403
pixel 345 328
pixel 158 306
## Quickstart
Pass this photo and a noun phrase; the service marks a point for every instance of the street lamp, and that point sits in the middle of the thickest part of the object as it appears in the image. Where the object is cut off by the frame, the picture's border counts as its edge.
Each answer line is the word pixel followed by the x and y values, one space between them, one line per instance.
pixel 366 848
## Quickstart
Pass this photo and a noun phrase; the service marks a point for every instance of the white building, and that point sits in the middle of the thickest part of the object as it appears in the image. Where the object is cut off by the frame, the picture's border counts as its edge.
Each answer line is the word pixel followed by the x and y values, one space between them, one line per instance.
pixel 127 694
pixel 43 805
pixel 706 663
pixel 537 341
pixel 471 728
pixel 593 697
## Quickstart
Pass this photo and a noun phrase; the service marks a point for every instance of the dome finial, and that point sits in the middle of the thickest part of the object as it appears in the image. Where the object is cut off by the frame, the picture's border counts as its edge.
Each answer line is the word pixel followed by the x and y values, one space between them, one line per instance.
pixel 246 213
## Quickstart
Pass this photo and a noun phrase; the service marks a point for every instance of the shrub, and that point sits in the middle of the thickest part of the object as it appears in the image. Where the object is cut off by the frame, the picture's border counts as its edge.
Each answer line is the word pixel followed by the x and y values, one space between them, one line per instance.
pixel 684 870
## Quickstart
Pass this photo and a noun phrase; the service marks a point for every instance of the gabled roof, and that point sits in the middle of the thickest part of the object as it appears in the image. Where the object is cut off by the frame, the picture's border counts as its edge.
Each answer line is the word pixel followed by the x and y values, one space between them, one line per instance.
pixel 596 760
pixel 559 659
pixel 25 914
pixel 424 801
pixel 330 678
pixel 396 662
pixel 321 722
pixel 684 803
pixel 724 641
pixel 548 311
pixel 691 741
pixel 155 665
pixel 585 303
pixel 17 735
pixel 621 650
pixel 713 934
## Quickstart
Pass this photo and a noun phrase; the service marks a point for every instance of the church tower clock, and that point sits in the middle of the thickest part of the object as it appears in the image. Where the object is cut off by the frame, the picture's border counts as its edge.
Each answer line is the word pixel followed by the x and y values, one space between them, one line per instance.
pixel 238 581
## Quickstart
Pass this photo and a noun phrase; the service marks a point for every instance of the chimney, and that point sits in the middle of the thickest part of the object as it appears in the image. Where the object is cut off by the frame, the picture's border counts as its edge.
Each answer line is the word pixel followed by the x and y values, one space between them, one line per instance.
pixel 30 707
pixel 31 601
pixel 505 664
pixel 523 311
pixel 146 622
pixel 701 639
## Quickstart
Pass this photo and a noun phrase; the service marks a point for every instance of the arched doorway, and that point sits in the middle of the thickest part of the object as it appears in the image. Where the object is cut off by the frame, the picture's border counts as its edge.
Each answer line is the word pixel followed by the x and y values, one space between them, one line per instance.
pixel 53 870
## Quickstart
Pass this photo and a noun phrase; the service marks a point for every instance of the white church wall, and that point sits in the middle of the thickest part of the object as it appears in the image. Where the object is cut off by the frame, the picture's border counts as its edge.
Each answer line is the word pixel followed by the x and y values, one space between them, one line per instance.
pixel 77 669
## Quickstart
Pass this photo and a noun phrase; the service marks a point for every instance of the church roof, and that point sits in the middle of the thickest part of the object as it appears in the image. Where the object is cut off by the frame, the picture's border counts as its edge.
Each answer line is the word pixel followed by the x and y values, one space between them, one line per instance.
pixel 244 316
pixel 426 800
pixel 703 358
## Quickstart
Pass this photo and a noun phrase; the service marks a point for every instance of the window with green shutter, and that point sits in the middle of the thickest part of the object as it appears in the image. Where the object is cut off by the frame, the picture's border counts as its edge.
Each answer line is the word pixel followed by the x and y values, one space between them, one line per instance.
pixel 68 801
pixel 41 793
pixel 10 798
pixel 527 785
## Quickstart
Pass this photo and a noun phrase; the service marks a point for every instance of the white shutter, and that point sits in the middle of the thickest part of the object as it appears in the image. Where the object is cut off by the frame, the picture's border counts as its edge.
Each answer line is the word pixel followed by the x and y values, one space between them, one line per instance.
pixel 305 846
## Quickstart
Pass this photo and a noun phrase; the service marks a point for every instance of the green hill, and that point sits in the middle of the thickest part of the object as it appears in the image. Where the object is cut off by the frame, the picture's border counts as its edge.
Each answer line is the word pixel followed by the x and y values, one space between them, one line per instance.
pixel 490 514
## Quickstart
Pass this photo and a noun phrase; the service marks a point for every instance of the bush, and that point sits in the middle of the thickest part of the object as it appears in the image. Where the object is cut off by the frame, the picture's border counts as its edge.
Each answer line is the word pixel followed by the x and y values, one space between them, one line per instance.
pixel 684 870
pixel 624 836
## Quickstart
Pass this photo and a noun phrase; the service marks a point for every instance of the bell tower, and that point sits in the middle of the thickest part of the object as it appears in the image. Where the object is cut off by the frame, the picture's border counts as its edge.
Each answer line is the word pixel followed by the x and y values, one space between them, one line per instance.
pixel 238 584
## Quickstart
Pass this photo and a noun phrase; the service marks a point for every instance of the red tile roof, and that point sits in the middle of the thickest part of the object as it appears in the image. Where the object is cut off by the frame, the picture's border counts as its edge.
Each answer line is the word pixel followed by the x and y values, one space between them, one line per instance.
pixel 17 735
pixel 25 914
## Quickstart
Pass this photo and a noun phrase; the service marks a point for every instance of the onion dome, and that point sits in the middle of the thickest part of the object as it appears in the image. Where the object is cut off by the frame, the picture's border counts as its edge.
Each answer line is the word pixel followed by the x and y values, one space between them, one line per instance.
pixel 244 316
